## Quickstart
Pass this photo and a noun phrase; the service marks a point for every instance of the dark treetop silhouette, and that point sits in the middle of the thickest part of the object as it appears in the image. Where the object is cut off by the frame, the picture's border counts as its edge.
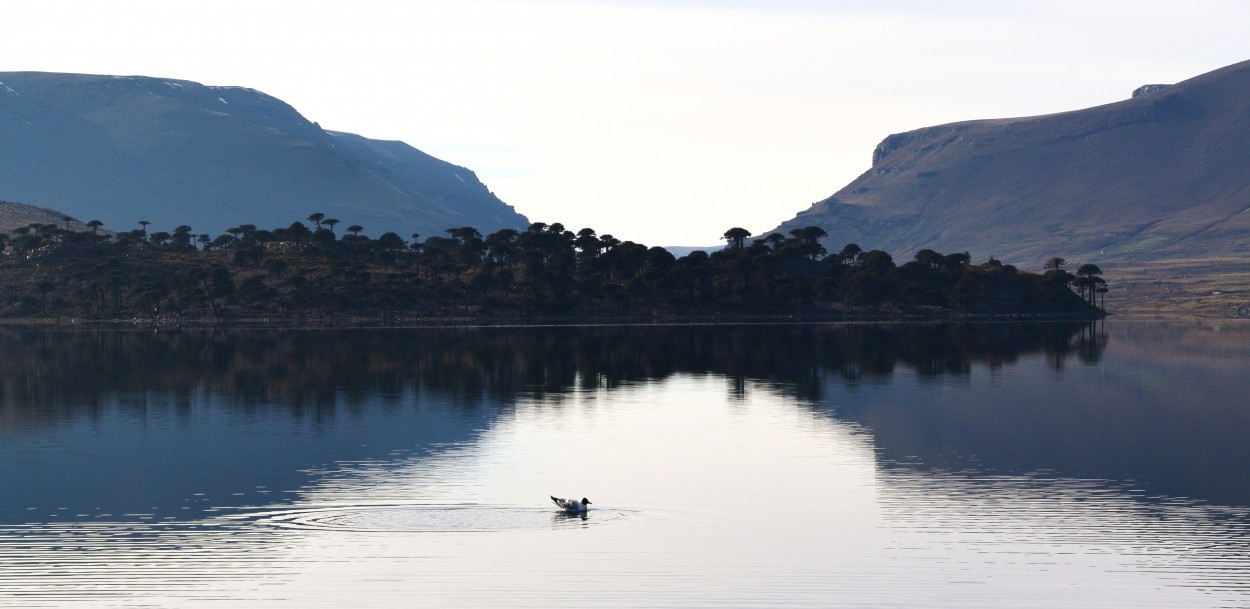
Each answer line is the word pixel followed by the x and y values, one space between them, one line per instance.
pixel 300 273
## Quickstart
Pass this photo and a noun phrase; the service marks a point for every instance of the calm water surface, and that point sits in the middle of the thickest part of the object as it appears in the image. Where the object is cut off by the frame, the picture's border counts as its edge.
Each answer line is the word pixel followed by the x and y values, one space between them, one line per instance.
pixel 1045 465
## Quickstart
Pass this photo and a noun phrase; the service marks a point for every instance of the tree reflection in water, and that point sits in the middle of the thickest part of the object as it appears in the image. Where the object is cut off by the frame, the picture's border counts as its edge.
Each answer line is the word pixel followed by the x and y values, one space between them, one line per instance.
pixel 50 376
pixel 1164 412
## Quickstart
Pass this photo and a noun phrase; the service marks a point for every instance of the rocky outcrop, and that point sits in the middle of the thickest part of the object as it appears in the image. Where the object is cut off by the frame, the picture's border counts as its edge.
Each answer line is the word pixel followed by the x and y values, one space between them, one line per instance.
pixel 1146 89
pixel 890 144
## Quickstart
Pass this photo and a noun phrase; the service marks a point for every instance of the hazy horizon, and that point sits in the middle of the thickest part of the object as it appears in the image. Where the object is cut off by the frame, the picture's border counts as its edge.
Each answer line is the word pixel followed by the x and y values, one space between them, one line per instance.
pixel 644 119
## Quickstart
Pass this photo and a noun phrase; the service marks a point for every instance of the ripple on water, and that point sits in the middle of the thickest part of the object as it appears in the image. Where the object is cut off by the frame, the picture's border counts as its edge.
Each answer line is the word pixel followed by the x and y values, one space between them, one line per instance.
pixel 425 518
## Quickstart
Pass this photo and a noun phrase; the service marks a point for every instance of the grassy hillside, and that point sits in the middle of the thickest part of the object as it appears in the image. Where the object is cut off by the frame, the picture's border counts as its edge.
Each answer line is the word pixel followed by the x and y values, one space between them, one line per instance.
pixel 1158 176
pixel 125 149
pixel 16 215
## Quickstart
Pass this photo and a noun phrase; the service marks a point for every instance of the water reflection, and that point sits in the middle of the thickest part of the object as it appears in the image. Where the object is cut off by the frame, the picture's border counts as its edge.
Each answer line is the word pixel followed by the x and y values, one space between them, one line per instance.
pixel 115 403
pixel 49 378
pixel 159 425
pixel 561 518
pixel 1170 419
pixel 413 517
pixel 1046 523
pixel 1048 464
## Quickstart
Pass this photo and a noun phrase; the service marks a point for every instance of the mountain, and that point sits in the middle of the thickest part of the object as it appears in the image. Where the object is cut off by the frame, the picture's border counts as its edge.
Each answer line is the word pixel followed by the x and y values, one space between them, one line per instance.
pixel 1161 175
pixel 124 149
pixel 16 215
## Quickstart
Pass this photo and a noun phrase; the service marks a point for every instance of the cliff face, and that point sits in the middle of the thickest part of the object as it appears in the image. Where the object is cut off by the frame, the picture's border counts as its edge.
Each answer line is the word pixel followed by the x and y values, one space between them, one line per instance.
pixel 124 149
pixel 1161 175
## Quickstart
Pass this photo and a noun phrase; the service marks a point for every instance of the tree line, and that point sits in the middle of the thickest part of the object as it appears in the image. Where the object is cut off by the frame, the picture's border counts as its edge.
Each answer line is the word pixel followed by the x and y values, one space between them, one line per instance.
pixel 309 269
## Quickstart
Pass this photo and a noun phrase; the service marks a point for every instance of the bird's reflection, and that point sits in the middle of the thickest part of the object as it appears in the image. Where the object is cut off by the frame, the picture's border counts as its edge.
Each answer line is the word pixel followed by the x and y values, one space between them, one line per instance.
pixel 562 518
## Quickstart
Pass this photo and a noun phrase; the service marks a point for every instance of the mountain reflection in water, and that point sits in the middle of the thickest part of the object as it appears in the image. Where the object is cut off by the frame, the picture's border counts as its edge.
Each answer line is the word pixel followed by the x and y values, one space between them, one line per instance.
pixel 1130 420
pixel 1047 464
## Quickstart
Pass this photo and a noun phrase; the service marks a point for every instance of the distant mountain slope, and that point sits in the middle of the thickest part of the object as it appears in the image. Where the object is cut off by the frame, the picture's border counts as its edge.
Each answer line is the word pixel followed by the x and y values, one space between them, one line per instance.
pixel 17 215
pixel 124 149
pixel 1164 174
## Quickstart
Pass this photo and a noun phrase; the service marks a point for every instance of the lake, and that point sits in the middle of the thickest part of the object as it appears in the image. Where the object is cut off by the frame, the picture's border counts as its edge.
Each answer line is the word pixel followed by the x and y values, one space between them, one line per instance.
pixel 823 465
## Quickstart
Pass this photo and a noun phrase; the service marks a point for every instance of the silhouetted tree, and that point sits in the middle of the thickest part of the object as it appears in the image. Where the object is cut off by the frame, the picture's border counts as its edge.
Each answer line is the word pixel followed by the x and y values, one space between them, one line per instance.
pixel 850 253
pixel 736 236
pixel 1088 280
pixel 543 269
pixel 809 239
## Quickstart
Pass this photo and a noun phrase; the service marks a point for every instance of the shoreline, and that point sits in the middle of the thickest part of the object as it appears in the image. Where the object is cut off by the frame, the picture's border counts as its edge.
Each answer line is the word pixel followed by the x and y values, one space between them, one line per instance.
pixel 488 321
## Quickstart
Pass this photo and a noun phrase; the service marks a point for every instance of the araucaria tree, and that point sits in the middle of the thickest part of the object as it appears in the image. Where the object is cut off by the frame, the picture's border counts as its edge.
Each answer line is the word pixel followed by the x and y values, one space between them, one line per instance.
pixel 736 236
pixel 1088 281
pixel 545 269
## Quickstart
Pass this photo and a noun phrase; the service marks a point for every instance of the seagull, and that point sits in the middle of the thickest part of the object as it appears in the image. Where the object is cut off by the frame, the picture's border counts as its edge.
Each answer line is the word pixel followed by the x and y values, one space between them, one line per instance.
pixel 571 505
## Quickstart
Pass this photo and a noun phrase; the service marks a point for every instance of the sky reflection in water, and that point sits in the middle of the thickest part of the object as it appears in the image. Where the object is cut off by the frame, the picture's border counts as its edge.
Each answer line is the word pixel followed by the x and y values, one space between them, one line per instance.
pixel 862 465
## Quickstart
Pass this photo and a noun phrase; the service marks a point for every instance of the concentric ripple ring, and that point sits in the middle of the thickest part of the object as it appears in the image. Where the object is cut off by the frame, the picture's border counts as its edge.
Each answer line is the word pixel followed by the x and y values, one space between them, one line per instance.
pixel 424 518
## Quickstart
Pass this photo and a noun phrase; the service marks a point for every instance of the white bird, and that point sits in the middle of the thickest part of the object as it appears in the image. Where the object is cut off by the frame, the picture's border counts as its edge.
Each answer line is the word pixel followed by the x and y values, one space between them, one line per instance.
pixel 572 505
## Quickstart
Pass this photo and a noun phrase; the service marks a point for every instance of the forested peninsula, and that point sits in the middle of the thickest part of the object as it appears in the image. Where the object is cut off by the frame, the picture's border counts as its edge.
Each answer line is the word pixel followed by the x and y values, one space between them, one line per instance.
pixel 317 271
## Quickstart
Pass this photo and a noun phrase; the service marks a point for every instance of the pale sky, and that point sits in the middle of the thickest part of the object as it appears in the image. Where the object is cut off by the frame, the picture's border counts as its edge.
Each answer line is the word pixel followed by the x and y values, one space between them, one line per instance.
pixel 662 122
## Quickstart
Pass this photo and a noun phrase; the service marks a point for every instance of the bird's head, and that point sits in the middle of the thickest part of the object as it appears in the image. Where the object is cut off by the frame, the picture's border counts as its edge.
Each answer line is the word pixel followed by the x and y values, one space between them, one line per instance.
pixel 586 501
